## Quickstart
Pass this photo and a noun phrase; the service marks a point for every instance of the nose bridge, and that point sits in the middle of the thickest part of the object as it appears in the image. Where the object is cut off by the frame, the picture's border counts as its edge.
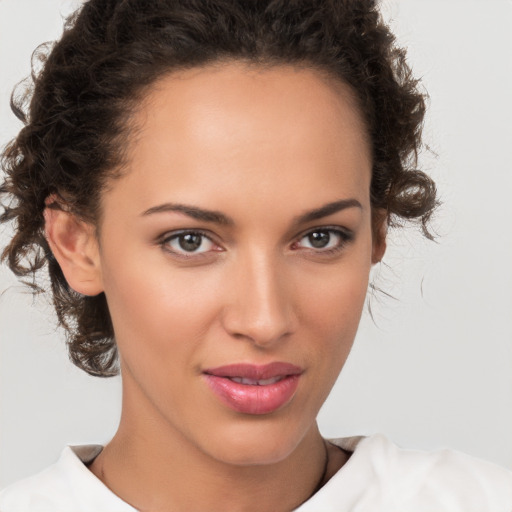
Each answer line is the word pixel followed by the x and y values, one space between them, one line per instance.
pixel 261 307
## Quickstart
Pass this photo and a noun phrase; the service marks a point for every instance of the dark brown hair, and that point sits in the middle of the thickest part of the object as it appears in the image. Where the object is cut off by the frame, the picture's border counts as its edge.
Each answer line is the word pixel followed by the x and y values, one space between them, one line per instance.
pixel 77 111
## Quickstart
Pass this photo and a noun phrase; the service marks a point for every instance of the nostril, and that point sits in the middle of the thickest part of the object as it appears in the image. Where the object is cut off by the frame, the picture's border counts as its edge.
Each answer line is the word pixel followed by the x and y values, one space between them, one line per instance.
pixel 266 333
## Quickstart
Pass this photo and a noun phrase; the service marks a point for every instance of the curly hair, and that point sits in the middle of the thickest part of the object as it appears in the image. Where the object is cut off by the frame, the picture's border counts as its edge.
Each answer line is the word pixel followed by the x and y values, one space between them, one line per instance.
pixel 77 113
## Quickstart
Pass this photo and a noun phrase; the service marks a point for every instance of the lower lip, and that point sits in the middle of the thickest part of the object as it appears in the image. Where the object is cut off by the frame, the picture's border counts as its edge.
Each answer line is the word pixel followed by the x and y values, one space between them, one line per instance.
pixel 249 399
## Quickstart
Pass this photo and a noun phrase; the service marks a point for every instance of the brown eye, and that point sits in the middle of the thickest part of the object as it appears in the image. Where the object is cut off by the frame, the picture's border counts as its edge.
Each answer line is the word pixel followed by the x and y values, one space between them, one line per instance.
pixel 324 239
pixel 319 239
pixel 189 242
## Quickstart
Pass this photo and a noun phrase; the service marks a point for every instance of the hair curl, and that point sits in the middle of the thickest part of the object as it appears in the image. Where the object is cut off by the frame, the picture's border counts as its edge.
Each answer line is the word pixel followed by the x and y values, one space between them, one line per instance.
pixel 77 115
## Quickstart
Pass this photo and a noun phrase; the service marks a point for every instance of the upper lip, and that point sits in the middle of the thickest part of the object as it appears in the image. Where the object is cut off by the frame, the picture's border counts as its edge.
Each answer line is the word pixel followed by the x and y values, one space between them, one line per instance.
pixel 254 371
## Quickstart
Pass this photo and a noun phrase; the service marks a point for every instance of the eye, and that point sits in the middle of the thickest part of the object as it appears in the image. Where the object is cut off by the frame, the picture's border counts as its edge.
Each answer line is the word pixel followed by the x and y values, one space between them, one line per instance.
pixel 189 243
pixel 324 240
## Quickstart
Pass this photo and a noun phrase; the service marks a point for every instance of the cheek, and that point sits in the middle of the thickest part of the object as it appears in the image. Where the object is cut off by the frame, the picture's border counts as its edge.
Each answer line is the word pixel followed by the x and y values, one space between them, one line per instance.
pixel 336 298
pixel 155 308
pixel 169 310
pixel 332 310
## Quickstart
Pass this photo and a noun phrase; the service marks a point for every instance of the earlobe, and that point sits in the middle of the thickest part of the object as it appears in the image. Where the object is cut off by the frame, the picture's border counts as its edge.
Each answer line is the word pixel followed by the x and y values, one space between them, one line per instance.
pixel 73 243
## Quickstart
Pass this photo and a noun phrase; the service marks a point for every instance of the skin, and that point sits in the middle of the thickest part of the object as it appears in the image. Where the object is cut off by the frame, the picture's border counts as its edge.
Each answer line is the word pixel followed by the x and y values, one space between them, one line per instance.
pixel 261 146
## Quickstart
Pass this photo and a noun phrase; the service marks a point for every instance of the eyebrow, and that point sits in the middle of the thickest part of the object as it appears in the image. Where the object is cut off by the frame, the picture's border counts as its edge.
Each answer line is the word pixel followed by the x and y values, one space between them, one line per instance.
pixel 192 211
pixel 217 217
pixel 328 209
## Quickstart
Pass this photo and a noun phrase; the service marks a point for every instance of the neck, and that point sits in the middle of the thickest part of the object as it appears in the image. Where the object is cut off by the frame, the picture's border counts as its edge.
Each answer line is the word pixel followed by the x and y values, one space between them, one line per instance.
pixel 153 467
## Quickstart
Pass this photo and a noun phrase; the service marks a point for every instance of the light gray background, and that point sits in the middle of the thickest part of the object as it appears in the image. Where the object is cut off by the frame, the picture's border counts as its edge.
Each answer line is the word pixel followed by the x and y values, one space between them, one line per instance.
pixel 436 371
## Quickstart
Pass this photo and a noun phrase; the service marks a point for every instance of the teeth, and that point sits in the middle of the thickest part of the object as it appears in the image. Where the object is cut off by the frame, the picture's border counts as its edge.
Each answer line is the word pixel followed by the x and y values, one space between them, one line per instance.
pixel 255 382
pixel 266 382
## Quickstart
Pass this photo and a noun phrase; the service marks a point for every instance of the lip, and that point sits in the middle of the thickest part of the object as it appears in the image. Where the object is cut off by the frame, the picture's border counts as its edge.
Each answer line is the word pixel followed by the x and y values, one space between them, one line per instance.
pixel 254 398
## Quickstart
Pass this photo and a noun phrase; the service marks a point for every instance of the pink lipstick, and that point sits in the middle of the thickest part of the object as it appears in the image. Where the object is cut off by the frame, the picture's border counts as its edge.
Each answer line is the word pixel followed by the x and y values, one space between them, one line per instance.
pixel 253 389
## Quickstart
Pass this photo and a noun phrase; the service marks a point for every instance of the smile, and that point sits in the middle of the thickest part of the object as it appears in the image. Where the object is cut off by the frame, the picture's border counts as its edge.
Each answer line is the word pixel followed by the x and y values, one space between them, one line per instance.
pixel 252 389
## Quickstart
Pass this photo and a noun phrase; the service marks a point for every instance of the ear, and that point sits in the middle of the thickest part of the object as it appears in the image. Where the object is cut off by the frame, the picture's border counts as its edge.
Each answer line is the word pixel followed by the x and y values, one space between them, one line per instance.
pixel 73 243
pixel 380 232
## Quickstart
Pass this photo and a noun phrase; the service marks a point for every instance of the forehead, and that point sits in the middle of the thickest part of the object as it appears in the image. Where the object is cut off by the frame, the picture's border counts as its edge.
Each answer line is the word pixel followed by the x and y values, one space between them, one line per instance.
pixel 234 126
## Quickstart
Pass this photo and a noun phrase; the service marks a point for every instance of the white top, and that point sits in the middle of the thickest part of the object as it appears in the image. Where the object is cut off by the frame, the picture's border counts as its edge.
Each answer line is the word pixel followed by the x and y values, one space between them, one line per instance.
pixel 379 476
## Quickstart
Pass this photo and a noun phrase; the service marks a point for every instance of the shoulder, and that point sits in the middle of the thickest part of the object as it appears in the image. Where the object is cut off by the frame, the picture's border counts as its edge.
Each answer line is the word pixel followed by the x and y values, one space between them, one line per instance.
pixel 443 480
pixel 64 486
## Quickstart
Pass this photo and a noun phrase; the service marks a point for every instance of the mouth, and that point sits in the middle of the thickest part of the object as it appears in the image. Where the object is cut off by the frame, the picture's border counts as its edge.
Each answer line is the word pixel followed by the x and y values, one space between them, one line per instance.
pixel 253 389
pixel 256 382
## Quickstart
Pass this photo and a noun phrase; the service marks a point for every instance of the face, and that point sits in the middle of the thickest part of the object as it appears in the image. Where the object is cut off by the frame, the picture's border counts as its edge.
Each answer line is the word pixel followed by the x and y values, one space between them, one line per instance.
pixel 235 255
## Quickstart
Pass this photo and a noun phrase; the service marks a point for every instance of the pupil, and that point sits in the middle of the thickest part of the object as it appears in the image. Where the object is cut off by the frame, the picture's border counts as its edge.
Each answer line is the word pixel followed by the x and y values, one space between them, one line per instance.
pixel 190 242
pixel 319 239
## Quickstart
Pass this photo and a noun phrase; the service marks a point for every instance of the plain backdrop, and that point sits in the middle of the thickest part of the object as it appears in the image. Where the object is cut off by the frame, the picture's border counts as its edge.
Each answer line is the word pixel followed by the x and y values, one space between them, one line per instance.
pixel 434 368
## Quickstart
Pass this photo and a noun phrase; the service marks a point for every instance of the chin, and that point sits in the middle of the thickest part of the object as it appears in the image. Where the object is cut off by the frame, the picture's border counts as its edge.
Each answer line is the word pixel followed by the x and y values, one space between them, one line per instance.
pixel 256 441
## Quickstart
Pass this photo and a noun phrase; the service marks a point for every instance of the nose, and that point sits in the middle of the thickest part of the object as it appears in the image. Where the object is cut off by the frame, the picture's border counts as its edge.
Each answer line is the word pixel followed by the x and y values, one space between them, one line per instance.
pixel 260 308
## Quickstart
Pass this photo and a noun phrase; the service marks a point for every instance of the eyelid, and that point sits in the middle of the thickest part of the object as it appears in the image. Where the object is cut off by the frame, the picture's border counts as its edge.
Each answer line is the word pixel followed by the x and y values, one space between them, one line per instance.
pixel 164 239
pixel 346 235
pixel 345 232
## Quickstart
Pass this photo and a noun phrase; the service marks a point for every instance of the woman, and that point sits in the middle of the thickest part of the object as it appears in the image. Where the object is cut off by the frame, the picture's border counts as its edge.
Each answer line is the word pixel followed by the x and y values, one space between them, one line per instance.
pixel 209 184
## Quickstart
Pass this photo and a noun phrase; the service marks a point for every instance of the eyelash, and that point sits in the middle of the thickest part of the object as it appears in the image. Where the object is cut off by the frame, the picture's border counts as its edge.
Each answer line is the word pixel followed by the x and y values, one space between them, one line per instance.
pixel 345 236
pixel 176 235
